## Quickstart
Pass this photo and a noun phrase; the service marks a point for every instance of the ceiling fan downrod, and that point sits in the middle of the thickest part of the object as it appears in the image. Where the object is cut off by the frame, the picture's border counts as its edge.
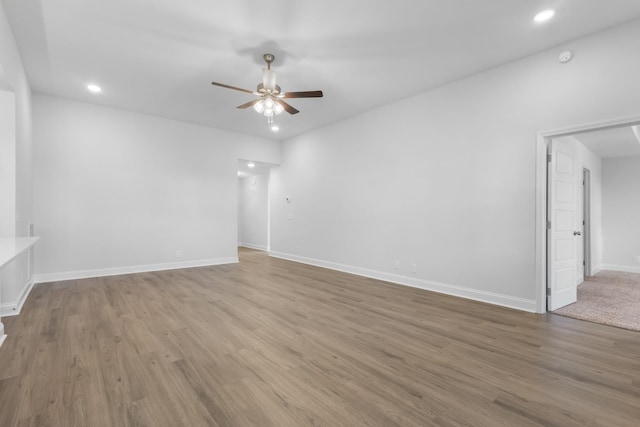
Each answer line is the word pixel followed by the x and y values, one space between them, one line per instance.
pixel 269 76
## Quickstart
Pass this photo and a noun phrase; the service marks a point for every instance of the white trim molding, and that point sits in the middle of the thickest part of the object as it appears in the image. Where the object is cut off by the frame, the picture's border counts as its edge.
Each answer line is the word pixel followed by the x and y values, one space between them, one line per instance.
pixel 621 268
pixel 115 271
pixel 252 246
pixel 443 288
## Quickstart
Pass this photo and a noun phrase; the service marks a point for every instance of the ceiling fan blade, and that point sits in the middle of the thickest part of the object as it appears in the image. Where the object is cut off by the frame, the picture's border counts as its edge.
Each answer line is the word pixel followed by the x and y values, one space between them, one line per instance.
pixel 231 87
pixel 308 94
pixel 249 104
pixel 288 108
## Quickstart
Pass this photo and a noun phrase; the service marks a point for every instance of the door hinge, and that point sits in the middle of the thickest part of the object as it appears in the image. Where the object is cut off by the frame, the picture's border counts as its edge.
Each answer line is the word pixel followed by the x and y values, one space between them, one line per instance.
pixel 548 225
pixel 584 263
pixel 548 158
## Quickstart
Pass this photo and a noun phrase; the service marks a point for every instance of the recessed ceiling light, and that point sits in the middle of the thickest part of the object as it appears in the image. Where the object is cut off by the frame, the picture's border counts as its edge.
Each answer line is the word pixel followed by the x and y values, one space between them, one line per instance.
pixel 94 88
pixel 275 128
pixel 251 165
pixel 544 16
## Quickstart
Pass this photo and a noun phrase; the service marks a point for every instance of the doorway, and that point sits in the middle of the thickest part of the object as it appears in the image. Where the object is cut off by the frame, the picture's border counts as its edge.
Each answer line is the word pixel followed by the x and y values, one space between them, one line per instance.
pixel 581 244
pixel 253 205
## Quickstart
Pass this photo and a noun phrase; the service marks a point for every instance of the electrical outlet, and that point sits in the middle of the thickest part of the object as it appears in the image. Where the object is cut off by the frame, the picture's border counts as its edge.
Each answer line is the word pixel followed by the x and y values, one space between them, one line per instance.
pixel 414 268
pixel 178 254
pixel 636 259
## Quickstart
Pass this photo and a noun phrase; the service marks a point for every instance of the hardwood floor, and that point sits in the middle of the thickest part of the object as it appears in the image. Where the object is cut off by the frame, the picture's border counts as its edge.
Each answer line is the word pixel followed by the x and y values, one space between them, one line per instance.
pixel 269 342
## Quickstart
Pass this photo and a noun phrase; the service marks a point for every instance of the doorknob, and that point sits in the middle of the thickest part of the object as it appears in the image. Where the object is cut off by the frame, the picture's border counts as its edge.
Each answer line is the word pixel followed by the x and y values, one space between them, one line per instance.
pixel 577 233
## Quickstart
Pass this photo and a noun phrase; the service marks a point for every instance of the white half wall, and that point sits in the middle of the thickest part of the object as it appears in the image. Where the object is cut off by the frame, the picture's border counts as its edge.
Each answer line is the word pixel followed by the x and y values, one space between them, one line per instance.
pixel 16 284
pixel 621 213
pixel 117 191
pixel 253 212
pixel 441 187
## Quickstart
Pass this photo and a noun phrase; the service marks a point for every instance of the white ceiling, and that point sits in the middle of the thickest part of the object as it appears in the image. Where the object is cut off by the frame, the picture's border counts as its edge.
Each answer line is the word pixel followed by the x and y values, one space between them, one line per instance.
pixel 159 56
pixel 616 142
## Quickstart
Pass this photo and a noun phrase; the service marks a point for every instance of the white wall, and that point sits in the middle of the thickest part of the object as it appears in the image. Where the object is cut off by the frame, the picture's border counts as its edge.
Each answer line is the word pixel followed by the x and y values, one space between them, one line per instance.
pixel 253 212
pixel 14 80
pixel 7 163
pixel 16 193
pixel 589 160
pixel 621 213
pixel 117 191
pixel 446 180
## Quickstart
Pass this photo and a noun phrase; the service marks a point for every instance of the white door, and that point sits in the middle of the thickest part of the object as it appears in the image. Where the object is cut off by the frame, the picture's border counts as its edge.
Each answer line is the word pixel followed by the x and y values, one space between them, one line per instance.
pixel 563 177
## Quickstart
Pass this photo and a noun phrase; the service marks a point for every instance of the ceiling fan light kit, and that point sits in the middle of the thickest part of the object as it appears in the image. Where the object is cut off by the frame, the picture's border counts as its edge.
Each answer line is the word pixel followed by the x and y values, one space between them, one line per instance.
pixel 270 102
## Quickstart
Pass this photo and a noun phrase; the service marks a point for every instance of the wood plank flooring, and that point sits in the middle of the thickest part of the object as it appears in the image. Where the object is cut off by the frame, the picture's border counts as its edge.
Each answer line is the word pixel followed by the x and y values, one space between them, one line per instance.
pixel 269 342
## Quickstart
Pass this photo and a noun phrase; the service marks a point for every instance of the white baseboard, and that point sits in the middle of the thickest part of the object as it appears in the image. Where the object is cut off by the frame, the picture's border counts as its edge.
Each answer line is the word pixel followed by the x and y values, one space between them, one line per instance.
pixel 14 308
pixel 622 268
pixel 458 291
pixel 85 274
pixel 597 270
pixel 252 246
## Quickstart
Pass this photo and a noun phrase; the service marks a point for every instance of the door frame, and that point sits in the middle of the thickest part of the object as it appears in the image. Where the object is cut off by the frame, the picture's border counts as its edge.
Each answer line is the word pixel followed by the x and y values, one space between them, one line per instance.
pixel 586 222
pixel 542 141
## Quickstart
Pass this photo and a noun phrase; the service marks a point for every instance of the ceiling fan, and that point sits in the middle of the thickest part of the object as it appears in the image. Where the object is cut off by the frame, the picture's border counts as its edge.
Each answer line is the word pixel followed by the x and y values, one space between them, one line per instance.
pixel 270 101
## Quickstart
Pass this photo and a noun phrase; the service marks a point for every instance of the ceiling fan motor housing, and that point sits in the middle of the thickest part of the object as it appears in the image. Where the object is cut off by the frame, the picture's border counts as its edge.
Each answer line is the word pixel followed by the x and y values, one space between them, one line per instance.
pixel 262 89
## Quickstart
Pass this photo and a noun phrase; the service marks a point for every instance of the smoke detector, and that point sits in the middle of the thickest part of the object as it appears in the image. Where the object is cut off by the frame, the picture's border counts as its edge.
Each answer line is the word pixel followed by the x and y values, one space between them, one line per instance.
pixel 565 56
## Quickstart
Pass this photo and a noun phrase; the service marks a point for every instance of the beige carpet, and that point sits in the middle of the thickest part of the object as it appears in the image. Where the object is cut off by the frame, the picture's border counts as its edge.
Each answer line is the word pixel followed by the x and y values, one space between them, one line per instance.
pixel 609 297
